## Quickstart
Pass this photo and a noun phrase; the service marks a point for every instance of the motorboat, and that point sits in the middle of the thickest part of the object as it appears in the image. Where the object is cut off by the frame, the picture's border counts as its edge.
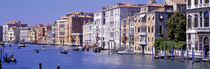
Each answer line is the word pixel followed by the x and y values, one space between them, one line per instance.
pixel 44 47
pixel 75 49
pixel 96 49
pixel 21 44
pixel 126 52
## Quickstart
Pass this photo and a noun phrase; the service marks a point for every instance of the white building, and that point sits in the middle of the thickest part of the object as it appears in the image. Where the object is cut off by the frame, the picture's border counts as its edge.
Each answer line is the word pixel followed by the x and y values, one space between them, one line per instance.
pixel 112 27
pixel 198 27
pixel 88 35
pixel 24 34
pixel 99 23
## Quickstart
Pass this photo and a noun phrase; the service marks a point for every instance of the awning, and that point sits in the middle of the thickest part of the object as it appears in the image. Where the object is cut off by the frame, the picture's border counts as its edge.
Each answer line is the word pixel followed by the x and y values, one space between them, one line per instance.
pixel 142 15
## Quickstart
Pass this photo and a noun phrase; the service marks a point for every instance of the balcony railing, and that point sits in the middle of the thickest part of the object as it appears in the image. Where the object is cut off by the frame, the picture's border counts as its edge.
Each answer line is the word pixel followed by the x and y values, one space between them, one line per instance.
pixel 142 33
pixel 143 43
pixel 203 29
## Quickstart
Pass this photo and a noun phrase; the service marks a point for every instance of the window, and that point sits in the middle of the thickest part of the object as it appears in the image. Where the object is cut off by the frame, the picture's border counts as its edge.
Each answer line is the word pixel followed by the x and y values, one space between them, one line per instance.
pixel 206 19
pixel 148 39
pixel 189 46
pixel 201 19
pixel 161 18
pixel 111 13
pixel 196 21
pixel 189 37
pixel 160 29
pixel 152 28
pixel 138 29
pixel 201 1
pixel 206 1
pixel 196 2
pixel 189 22
pixel 196 46
pixel 189 3
pixel 148 29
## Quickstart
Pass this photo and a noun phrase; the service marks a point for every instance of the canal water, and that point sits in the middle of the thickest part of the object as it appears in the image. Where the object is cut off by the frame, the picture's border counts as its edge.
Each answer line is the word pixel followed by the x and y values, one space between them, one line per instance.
pixel 51 58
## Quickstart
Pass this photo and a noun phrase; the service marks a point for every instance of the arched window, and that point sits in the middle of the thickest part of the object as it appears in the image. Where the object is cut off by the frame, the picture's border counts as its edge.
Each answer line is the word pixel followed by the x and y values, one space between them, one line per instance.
pixel 189 22
pixel 196 21
pixel 206 19
pixel 206 1
pixel 201 18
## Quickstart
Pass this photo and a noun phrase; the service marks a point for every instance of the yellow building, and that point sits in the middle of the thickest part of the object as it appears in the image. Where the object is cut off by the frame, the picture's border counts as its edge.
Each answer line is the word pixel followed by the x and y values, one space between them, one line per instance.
pixel 39 33
pixel 127 33
pixel 71 24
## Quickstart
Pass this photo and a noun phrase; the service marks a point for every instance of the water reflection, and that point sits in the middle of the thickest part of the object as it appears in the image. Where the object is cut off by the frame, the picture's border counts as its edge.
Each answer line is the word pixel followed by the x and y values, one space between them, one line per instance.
pixel 51 57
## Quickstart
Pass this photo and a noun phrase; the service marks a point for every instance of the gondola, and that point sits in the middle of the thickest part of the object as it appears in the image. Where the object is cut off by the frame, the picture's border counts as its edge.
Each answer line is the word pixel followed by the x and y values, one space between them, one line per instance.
pixel 36 51
pixel 64 52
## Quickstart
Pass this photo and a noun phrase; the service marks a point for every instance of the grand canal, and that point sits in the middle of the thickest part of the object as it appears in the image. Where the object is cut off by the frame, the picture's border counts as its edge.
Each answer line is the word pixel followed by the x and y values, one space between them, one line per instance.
pixel 51 58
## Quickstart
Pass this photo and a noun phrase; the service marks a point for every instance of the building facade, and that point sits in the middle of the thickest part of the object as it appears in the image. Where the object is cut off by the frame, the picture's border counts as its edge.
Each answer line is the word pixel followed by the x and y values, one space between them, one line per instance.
pixel 112 27
pixel 127 35
pixel 88 35
pixel 98 29
pixel 69 27
pixel 11 31
pixel 40 34
pixel 198 27
pixel 24 34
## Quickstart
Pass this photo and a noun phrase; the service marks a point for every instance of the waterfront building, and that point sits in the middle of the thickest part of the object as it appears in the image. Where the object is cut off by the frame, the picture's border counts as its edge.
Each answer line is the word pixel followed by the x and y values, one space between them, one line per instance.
pixel 88 35
pixel 70 27
pixel 32 34
pixel 54 33
pixel 127 35
pixel 48 34
pixel 8 28
pixel 23 34
pixel 40 33
pixel 198 27
pixel 112 27
pixel 178 5
pixel 62 32
pixel 1 33
pixel 98 29
pixel 150 24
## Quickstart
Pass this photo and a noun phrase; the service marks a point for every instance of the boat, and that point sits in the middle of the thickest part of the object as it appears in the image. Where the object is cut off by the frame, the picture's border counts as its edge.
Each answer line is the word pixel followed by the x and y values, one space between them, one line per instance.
pixel 75 49
pixel 2 44
pixel 44 47
pixel 36 51
pixel 21 44
pixel 12 59
pixel 64 52
pixel 126 52
pixel 96 49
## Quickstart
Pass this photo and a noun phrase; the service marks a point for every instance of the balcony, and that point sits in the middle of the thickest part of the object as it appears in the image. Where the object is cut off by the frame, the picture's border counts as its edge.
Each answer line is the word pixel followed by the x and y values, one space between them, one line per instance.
pixel 143 33
pixel 203 29
pixel 198 6
pixel 142 43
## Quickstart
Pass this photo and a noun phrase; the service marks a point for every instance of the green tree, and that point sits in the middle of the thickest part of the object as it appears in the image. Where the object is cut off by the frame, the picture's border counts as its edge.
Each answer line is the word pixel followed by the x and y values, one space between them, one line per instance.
pixel 176 27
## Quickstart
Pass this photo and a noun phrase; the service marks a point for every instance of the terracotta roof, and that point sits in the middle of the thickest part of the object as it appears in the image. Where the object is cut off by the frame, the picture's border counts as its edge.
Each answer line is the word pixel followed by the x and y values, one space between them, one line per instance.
pixel 122 5
pixel 156 4
pixel 82 14
pixel 179 1
pixel 13 22
pixel 162 10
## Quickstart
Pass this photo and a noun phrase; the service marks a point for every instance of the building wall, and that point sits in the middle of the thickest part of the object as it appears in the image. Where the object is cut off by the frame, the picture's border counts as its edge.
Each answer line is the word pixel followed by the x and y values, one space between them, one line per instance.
pixel 113 19
pixel 198 28
pixel 1 33
pixel 99 24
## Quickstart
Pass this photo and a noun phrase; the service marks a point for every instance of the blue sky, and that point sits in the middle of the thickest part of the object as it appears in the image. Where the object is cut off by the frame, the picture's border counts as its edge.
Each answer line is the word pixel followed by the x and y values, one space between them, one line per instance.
pixel 47 11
